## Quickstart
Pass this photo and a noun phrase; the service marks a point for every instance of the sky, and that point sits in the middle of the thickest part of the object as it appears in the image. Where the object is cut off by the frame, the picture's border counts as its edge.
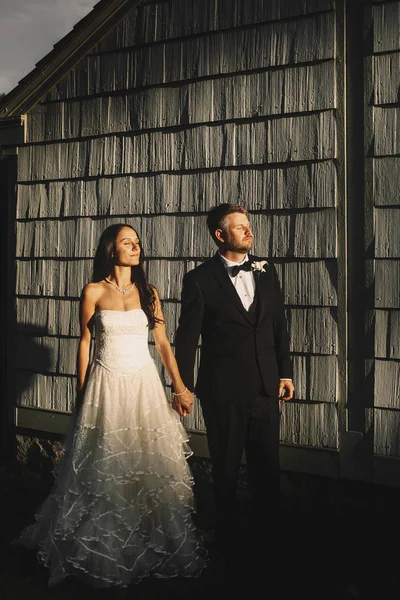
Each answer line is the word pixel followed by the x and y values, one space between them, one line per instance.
pixel 28 31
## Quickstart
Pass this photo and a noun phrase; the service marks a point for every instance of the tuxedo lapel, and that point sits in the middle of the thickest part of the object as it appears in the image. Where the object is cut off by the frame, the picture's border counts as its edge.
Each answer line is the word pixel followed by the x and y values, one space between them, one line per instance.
pixel 223 278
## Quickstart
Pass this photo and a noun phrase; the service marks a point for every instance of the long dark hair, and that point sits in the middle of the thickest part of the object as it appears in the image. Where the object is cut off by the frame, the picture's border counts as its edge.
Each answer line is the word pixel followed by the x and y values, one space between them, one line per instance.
pixel 104 263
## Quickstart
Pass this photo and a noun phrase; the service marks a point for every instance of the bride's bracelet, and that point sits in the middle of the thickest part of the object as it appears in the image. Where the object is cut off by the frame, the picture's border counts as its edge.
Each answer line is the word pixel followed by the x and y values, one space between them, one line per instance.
pixel 180 393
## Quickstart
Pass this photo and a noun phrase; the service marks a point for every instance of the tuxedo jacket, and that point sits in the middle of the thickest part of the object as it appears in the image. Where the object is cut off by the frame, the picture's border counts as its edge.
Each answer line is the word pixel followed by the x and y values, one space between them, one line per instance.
pixel 242 352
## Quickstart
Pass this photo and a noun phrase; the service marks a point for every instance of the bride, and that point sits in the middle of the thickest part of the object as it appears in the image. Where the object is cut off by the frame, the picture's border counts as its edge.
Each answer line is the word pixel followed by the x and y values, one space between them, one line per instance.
pixel 122 504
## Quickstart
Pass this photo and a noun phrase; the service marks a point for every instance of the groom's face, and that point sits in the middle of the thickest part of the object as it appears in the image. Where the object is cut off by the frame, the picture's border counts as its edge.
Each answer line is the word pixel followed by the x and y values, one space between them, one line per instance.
pixel 236 234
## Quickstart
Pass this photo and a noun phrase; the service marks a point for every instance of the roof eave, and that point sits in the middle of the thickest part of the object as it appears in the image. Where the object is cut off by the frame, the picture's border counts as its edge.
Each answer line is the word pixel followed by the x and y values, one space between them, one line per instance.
pixel 65 54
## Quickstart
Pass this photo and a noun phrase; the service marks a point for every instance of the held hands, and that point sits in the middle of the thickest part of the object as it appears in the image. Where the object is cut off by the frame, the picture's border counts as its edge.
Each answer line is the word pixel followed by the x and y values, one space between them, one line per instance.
pixel 286 390
pixel 182 402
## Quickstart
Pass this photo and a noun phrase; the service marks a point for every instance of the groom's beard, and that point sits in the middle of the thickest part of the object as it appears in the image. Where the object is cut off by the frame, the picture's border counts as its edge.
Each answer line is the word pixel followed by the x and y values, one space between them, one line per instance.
pixel 233 245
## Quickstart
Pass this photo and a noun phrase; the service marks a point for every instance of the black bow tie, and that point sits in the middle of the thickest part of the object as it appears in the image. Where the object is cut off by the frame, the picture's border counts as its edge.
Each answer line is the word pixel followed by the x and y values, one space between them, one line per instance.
pixel 246 266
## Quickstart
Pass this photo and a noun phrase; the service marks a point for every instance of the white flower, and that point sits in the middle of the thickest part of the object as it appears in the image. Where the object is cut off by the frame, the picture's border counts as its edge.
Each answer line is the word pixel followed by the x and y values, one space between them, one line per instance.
pixel 259 265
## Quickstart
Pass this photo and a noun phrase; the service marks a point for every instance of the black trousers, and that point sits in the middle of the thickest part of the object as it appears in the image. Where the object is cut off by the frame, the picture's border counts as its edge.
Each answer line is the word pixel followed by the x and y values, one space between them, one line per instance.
pixel 252 427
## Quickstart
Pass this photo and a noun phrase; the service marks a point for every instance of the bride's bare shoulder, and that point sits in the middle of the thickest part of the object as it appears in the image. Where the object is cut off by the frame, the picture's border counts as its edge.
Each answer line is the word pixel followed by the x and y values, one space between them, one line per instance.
pixel 92 291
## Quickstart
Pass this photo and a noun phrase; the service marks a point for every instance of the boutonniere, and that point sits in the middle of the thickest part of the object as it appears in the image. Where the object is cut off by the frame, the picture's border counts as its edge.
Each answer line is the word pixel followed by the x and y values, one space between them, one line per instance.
pixel 259 265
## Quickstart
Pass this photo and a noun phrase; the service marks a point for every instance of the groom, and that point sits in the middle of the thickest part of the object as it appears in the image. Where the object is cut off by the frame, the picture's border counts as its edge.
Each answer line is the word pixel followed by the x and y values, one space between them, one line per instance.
pixel 234 302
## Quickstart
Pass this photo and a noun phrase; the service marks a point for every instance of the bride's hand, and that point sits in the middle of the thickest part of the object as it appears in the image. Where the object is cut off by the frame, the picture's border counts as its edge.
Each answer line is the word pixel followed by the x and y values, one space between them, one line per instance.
pixel 180 409
pixel 186 399
pixel 182 403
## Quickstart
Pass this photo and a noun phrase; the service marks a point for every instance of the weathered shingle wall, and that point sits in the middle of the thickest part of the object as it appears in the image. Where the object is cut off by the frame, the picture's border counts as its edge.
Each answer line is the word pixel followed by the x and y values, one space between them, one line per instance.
pixel 385 200
pixel 183 106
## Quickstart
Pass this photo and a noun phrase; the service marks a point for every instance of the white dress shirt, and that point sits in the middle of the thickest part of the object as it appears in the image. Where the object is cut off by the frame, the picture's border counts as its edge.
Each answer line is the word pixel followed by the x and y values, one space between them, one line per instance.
pixel 243 282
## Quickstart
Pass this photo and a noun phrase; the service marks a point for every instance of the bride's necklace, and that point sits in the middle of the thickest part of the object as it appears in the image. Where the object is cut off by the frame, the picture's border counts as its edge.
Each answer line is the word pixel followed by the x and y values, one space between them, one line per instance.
pixel 122 290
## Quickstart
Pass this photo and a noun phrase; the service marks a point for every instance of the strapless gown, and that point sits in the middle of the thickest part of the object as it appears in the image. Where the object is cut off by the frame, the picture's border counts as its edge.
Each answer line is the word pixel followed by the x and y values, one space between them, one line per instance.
pixel 122 504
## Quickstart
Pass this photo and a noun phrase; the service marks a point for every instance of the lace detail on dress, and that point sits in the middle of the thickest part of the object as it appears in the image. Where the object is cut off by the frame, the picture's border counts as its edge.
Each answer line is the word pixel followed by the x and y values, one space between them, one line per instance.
pixel 121 340
pixel 122 504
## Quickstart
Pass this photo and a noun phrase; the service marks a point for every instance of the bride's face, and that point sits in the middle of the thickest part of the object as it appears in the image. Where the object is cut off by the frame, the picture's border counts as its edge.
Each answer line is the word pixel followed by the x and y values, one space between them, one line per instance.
pixel 127 249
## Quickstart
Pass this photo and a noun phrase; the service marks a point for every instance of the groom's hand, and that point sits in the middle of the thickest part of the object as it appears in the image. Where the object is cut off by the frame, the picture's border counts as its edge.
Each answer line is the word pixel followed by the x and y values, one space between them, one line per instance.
pixel 286 390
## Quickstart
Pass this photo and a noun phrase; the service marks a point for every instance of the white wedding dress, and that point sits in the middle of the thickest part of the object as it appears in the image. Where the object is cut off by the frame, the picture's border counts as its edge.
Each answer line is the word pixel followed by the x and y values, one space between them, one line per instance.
pixel 122 504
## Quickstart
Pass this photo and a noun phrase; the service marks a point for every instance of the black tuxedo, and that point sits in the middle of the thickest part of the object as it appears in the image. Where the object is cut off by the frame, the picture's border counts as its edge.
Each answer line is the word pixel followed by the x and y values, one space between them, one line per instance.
pixel 243 356
pixel 240 350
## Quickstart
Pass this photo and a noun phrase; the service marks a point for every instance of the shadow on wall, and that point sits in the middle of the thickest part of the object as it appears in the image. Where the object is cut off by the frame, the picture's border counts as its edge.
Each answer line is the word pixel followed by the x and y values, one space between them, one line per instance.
pixel 35 360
